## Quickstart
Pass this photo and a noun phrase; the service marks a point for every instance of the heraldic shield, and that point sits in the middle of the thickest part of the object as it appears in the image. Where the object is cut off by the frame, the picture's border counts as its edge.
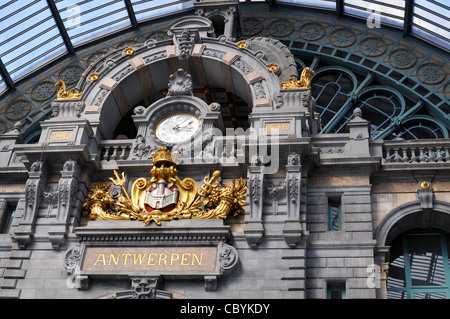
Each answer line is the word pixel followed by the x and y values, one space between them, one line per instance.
pixel 165 196
pixel 165 193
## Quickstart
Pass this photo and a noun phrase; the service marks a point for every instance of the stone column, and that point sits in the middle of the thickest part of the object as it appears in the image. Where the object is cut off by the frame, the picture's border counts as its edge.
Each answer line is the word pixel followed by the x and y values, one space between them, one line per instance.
pixel 35 185
pixel 253 227
pixel 292 230
pixel 382 291
pixel 67 187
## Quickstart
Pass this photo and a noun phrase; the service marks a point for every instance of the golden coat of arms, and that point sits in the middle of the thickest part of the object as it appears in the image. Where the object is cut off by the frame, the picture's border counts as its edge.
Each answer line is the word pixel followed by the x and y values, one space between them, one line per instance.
pixel 165 196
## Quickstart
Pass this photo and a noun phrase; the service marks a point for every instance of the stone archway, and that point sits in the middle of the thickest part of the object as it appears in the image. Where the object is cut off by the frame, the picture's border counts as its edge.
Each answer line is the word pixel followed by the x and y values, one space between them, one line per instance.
pixel 117 82
pixel 406 217
pixel 409 216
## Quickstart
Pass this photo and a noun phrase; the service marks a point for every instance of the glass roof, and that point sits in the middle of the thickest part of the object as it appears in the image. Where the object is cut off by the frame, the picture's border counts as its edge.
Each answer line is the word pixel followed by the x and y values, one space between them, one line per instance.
pixel 425 19
pixel 35 33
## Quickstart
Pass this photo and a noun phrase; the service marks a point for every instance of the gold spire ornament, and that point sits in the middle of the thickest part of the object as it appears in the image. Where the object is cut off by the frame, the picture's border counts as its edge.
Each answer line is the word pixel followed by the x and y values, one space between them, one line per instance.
pixel 62 94
pixel 165 196
pixel 304 82
pixel 242 44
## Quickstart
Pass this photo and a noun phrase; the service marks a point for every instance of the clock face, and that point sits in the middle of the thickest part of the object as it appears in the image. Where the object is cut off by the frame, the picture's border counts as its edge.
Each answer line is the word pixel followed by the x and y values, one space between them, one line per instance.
pixel 177 127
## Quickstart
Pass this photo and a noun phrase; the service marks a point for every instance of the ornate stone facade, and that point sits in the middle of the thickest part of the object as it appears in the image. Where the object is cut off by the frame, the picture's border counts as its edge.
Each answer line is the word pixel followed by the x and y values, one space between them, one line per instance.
pixel 280 242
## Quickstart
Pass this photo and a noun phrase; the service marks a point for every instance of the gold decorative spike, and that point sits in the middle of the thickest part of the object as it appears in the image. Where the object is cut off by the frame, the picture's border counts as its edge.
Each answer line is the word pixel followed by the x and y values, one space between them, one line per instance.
pixel 304 82
pixel 242 45
pixel 63 94
pixel 128 51
pixel 93 77
pixel 425 185
pixel 272 67
pixel 165 196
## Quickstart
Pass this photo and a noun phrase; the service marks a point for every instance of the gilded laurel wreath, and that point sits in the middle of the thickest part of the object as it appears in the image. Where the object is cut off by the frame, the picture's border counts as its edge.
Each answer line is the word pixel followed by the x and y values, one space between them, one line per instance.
pixel 165 196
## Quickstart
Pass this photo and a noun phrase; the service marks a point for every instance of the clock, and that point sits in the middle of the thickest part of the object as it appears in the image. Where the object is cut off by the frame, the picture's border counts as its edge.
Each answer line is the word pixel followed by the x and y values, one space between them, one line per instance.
pixel 177 127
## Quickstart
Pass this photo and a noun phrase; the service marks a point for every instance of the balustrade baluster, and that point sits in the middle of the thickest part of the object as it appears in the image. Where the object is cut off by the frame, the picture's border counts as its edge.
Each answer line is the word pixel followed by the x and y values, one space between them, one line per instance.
pixel 388 156
pixel 413 155
pixel 421 156
pixel 405 158
pixel 106 153
pixel 122 154
pixel 114 154
pixel 438 154
pixel 396 156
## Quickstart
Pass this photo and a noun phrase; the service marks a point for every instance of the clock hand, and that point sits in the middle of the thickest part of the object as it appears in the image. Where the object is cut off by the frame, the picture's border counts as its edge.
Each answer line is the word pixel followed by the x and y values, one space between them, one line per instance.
pixel 183 124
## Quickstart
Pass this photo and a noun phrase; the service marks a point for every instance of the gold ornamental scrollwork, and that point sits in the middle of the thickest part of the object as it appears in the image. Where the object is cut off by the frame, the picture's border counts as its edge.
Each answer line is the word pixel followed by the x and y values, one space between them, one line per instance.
pixel 165 196
pixel 62 94
pixel 304 82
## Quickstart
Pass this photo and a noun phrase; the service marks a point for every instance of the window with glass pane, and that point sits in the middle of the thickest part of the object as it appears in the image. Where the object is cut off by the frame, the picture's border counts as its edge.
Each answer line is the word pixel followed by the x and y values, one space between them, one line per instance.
pixel 330 91
pixel 388 11
pixel 336 291
pixel 418 128
pixel 88 20
pixel 430 21
pixel 145 10
pixel 380 107
pixel 328 4
pixel 7 218
pixel 419 266
pixel 29 37
pixel 3 86
pixel 334 214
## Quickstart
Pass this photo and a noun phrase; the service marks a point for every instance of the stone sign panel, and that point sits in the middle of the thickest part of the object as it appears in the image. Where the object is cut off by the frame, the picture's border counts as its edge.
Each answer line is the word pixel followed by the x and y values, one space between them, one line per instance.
pixel 154 259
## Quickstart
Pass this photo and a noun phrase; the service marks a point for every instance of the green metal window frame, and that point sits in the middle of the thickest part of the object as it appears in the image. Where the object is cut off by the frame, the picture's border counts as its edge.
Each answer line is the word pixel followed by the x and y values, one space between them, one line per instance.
pixel 339 288
pixel 7 218
pixel 334 203
pixel 410 290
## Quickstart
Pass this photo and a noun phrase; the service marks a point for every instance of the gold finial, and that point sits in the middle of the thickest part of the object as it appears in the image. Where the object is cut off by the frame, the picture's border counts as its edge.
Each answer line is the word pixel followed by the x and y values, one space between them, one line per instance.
pixel 93 77
pixel 128 51
pixel 63 94
pixel 425 185
pixel 272 67
pixel 304 82
pixel 242 45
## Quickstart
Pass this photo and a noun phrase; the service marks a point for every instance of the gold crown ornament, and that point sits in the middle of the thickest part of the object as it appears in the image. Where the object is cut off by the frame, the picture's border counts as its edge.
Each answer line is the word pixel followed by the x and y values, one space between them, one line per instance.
pixel 164 156
pixel 213 200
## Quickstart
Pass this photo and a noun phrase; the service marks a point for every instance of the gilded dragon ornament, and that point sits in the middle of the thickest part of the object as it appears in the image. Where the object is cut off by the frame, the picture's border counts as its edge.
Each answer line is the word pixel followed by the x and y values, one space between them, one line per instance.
pixel 304 82
pixel 165 196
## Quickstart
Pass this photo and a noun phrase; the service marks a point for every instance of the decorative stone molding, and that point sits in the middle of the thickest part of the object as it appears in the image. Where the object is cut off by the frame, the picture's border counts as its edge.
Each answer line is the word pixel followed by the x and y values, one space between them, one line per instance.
pixel 34 189
pixel 253 226
pixel 67 109
pixel 180 83
pixel 108 84
pixel 275 193
pixel 67 188
pixel 293 229
pixel 178 238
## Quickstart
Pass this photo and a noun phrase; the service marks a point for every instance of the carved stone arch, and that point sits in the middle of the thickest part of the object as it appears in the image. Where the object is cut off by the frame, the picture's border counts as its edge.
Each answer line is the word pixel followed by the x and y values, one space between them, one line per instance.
pixel 112 88
pixel 410 216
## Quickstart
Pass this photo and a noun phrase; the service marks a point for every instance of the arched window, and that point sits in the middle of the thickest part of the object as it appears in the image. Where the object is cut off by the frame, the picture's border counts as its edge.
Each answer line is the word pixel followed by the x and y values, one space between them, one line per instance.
pixel 419 127
pixel 330 90
pixel 419 265
pixel 378 106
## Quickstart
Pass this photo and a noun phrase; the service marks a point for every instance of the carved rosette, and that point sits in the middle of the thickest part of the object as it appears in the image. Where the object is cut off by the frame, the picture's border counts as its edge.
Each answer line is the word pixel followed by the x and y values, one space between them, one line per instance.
pixel 72 259
pixel 228 257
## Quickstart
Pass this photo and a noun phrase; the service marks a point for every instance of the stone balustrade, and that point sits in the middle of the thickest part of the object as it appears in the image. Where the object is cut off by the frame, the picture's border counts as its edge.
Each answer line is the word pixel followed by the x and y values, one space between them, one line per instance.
pixel 422 152
pixel 115 149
